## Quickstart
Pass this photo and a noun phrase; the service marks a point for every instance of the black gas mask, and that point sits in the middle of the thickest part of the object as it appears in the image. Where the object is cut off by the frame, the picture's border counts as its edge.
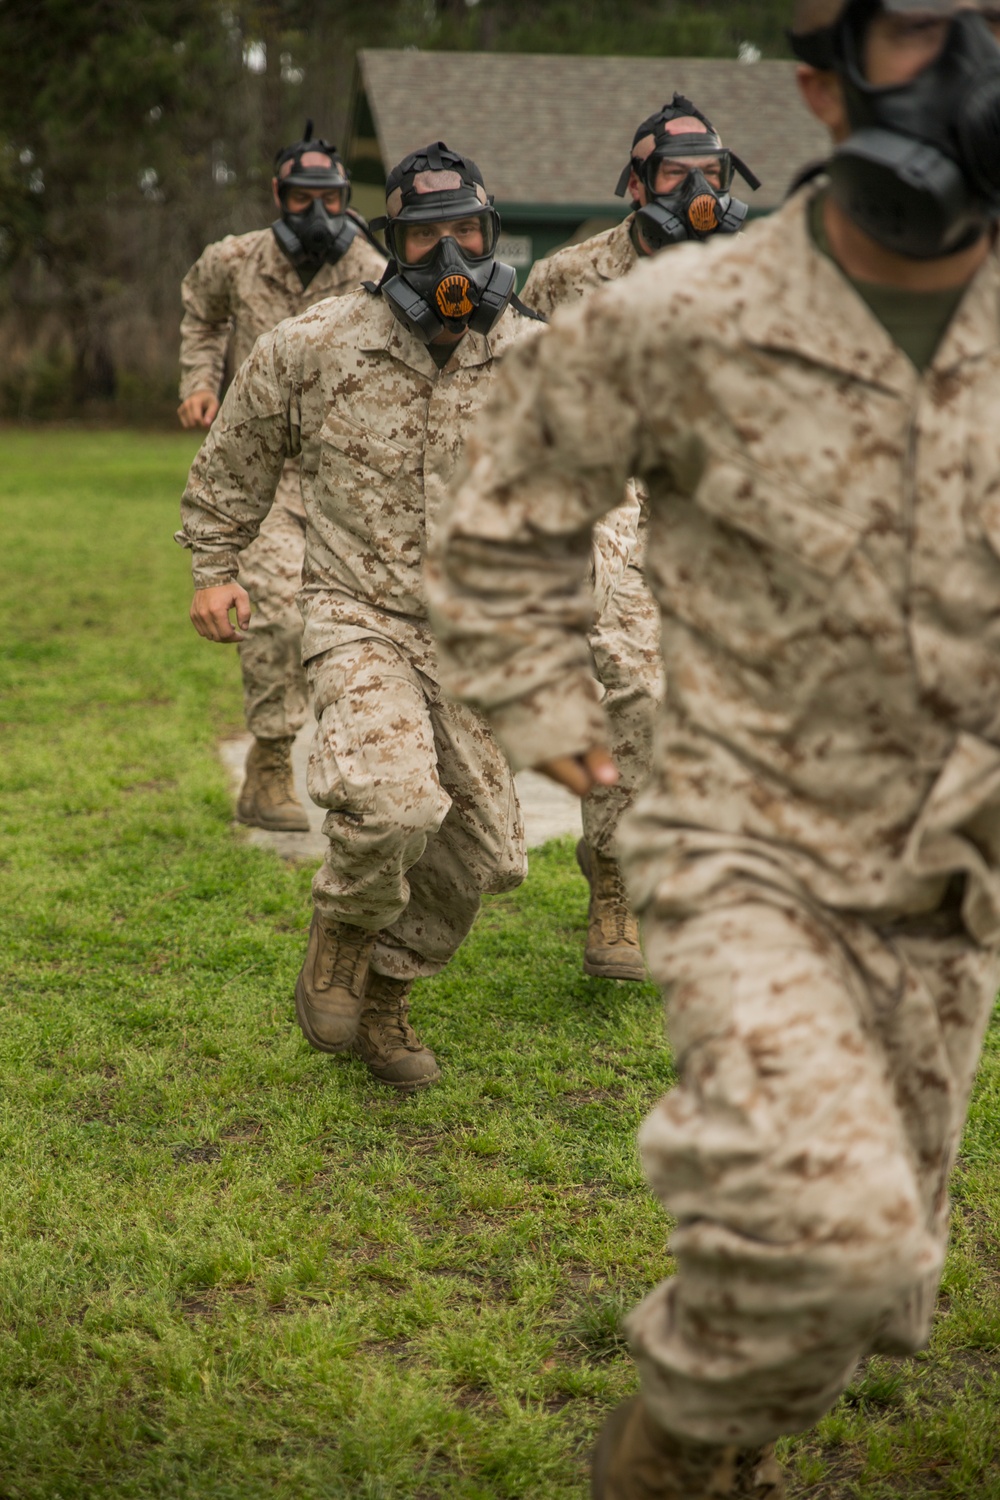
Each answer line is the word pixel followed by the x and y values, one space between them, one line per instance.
pixel 920 172
pixel 312 237
pixel 315 237
pixel 696 208
pixel 450 286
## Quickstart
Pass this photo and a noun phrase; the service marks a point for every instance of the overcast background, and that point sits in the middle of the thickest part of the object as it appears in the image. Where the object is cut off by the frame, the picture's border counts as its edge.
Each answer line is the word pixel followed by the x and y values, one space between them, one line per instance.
pixel 133 132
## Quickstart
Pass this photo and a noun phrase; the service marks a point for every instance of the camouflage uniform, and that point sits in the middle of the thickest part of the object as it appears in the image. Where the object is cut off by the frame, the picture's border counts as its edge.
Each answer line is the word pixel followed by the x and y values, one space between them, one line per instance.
pixel 244 286
pixel 817 856
pixel 625 639
pixel 422 816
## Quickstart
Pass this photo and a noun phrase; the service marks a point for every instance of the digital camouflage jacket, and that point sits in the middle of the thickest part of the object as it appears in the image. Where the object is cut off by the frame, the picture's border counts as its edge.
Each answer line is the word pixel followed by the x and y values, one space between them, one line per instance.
pixel 557 281
pixel 244 286
pixel 824 546
pixel 378 429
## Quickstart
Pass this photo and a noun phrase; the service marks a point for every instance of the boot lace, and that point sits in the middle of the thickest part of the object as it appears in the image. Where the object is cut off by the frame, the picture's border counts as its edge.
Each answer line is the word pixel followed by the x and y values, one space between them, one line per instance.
pixel 391 1015
pixel 618 920
pixel 344 957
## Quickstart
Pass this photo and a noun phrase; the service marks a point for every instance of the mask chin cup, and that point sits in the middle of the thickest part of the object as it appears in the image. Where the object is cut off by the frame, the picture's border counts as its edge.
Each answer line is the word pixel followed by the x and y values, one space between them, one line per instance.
pixel 412 308
pixel 670 220
pixel 328 241
pixel 908 196
pixel 312 239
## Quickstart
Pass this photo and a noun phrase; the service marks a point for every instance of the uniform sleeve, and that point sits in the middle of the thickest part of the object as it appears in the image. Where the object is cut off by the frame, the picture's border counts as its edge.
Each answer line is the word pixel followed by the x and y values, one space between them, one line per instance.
pixel 541 291
pixel 551 285
pixel 509 581
pixel 233 479
pixel 207 321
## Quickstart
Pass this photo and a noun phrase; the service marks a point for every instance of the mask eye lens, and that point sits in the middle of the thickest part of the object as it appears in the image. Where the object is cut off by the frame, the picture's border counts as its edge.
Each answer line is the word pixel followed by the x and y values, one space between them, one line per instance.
pixel 670 176
pixel 895 48
pixel 897 39
pixel 414 243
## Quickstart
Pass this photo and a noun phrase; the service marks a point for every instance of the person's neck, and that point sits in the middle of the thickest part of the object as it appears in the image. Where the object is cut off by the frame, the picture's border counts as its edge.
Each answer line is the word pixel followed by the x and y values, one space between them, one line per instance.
pixel 864 259
pixel 642 248
pixel 447 337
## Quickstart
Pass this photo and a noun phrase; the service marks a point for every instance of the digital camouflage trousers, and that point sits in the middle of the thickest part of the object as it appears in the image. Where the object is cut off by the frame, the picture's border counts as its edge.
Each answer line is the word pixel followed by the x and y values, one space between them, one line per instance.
pixel 628 662
pixel 824 1071
pixel 275 692
pixel 422 818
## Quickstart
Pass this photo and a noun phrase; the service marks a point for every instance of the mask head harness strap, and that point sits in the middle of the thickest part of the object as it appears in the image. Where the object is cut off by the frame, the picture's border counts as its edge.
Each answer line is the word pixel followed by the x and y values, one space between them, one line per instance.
pixel 667 145
pixel 812 35
pixel 407 204
pixel 310 164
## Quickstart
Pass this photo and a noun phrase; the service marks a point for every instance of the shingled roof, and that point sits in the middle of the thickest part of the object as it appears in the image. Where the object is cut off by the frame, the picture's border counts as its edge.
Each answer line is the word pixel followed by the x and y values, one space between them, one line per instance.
pixel 556 129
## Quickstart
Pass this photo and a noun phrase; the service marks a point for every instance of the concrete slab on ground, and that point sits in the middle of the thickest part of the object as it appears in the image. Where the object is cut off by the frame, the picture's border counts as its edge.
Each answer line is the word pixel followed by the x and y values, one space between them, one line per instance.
pixel 549 810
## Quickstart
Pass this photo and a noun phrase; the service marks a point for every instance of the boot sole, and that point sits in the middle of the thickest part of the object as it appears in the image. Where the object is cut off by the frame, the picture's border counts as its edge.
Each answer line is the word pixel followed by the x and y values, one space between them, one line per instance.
pixel 404 1085
pixel 406 1088
pixel 305 1026
pixel 635 973
pixel 252 821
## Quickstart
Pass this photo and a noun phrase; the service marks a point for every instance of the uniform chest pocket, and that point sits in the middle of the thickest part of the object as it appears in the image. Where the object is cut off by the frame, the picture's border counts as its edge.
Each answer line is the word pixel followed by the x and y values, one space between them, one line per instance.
pixel 346 444
pixel 792 524
pixel 359 472
pixel 756 567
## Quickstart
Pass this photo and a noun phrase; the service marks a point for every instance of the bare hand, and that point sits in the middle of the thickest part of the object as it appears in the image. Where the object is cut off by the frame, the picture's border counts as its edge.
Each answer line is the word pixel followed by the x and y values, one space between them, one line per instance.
pixel 581 773
pixel 210 612
pixel 199 410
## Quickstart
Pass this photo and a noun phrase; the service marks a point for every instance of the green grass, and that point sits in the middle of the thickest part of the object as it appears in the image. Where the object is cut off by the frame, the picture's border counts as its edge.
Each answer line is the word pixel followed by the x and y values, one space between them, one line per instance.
pixel 230 1267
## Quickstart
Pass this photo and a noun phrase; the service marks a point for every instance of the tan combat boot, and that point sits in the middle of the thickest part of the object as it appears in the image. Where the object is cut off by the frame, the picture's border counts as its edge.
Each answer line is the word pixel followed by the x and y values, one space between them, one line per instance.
pixel 636 1459
pixel 267 799
pixel 612 950
pixel 330 989
pixel 388 1043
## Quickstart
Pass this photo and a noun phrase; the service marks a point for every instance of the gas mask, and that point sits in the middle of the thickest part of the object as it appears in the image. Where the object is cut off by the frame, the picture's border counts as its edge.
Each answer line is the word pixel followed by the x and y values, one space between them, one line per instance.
pixel 920 172
pixel 449 287
pixel 312 237
pixel 695 209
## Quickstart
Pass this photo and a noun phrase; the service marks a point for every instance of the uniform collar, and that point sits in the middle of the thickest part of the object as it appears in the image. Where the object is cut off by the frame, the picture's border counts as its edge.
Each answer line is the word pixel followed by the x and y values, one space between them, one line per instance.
pixel 974 331
pixel 799 301
pixel 382 331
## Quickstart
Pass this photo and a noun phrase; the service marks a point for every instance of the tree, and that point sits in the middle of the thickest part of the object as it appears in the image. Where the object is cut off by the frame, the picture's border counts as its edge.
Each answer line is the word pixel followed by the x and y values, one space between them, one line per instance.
pixel 96 97
pixel 132 132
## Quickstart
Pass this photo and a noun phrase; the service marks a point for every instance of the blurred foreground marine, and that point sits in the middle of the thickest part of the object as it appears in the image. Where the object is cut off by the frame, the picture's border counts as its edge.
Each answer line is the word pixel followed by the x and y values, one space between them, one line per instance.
pixel 373 393
pixel 243 286
pixel 678 178
pixel 815 407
